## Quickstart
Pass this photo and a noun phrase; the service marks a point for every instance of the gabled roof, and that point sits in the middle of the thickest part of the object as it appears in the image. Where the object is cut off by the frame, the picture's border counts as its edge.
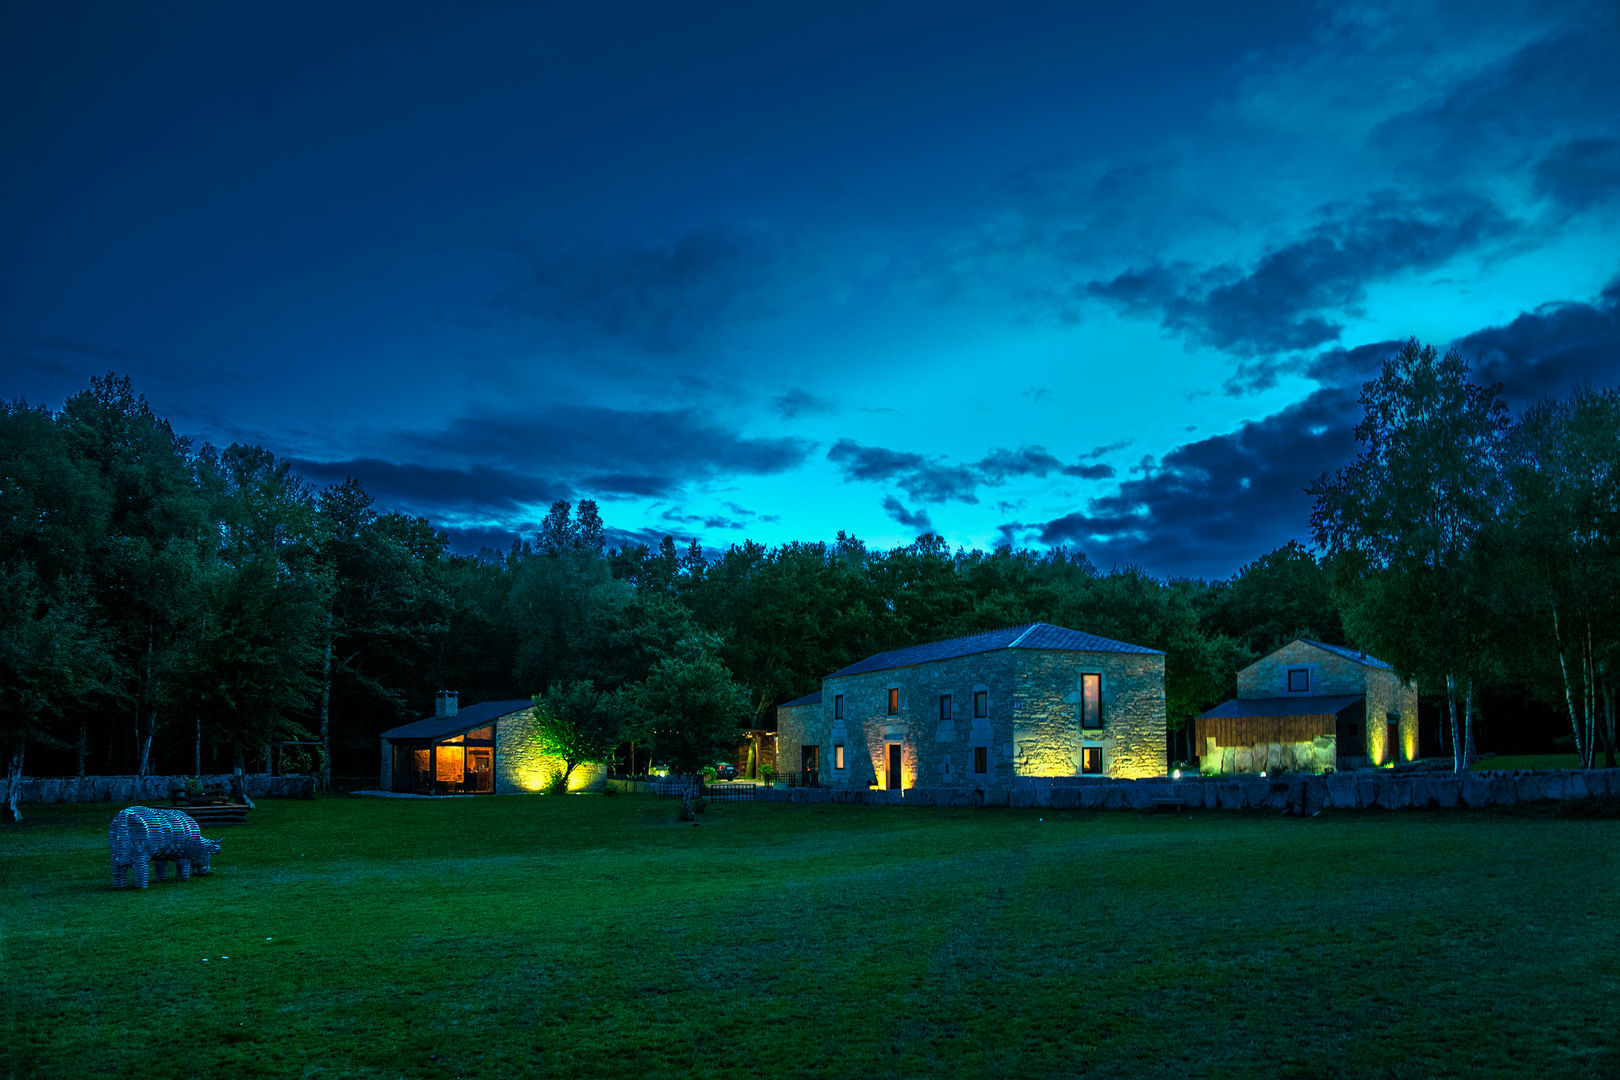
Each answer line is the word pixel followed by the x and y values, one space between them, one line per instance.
pixel 1300 705
pixel 1354 655
pixel 1028 636
pixel 473 716
pixel 812 698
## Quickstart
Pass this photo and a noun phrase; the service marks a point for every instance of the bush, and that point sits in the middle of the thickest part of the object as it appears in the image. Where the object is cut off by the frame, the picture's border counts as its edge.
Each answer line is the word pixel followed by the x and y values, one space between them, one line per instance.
pixel 709 773
pixel 767 774
pixel 556 783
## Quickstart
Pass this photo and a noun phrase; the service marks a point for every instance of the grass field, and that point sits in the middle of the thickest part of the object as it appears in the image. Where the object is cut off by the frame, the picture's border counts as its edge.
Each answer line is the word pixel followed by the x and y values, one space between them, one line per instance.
pixel 593 936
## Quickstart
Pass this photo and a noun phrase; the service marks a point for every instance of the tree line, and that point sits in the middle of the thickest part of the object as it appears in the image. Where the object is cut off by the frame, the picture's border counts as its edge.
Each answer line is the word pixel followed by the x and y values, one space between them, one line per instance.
pixel 177 607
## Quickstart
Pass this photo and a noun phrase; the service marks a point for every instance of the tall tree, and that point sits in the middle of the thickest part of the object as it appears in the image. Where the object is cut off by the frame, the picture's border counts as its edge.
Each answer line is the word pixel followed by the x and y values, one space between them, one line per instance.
pixel 54 652
pixel 1562 534
pixel 149 574
pixel 694 712
pixel 1401 522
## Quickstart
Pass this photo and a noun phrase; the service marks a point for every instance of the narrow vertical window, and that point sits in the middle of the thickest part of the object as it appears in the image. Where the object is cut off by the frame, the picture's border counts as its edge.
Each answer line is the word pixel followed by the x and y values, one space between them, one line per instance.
pixel 981 760
pixel 981 703
pixel 894 701
pixel 944 706
pixel 1091 701
pixel 838 755
pixel 1091 760
pixel 838 706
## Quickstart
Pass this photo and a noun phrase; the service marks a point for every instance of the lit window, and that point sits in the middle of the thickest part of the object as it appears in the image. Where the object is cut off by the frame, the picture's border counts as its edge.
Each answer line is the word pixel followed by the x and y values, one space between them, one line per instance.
pixel 838 706
pixel 838 755
pixel 894 701
pixel 1091 701
pixel 981 703
pixel 981 760
pixel 1299 680
pixel 944 706
pixel 1091 760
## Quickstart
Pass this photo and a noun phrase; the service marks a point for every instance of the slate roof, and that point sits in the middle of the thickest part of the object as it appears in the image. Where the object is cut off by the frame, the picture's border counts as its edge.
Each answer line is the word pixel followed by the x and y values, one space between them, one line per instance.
pixel 812 698
pixel 1355 655
pixel 472 716
pixel 1283 706
pixel 1028 636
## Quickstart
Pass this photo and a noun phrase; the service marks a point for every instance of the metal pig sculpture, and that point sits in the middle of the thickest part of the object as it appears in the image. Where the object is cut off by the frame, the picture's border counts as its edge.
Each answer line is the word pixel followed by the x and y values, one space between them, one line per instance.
pixel 140 835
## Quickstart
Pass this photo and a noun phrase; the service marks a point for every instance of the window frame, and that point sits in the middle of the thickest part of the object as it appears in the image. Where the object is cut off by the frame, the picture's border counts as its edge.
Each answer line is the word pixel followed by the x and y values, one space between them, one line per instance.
pixel 981 704
pixel 981 760
pixel 1288 680
pixel 1090 721
pixel 944 706
pixel 1088 755
pixel 838 706
pixel 838 756
pixel 894 701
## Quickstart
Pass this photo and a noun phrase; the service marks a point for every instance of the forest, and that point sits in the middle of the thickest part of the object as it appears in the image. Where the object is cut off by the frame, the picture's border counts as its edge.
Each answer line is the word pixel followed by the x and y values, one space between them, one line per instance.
pixel 180 608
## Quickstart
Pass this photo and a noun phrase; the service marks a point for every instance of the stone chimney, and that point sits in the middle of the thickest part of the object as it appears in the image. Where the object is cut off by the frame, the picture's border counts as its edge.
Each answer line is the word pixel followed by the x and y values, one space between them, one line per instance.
pixel 444 704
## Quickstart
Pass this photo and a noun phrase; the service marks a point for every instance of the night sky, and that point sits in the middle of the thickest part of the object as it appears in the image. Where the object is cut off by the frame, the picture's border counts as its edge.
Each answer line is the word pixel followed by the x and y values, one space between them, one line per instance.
pixel 1099 275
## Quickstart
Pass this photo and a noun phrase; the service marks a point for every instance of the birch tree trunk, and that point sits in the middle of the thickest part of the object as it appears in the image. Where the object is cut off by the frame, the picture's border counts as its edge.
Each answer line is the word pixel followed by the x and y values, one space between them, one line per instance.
pixel 323 773
pixel 14 775
pixel 1458 762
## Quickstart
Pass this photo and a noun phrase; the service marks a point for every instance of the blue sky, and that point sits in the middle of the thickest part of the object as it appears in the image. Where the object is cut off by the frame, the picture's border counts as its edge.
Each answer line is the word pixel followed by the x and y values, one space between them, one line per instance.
pixel 1105 276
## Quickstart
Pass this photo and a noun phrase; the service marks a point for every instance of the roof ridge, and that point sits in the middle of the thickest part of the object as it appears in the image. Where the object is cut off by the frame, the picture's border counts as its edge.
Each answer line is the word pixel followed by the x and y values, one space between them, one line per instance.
pixel 1028 630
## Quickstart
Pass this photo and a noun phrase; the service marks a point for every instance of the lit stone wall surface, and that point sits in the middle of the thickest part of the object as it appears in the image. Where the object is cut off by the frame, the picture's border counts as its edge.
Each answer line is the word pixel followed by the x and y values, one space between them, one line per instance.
pixel 521 767
pixel 1330 673
pixel 1047 733
pixel 796 727
pixel 1032 726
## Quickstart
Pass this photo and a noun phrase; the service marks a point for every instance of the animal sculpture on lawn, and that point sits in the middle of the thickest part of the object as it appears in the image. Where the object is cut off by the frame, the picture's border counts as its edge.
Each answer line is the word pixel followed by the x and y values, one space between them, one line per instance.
pixel 141 835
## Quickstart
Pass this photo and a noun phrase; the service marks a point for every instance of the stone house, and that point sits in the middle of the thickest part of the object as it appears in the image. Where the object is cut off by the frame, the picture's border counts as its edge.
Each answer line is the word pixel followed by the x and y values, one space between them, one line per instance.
pixel 1311 706
pixel 484 749
pixel 981 712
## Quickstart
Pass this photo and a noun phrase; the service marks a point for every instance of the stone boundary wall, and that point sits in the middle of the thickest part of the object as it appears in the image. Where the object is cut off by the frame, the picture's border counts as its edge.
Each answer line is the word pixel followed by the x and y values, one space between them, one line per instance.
pixel 1301 794
pixel 154 790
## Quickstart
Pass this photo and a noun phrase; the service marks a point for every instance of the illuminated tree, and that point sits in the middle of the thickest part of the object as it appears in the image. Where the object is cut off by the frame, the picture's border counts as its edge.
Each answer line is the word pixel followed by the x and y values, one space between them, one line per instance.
pixel 579 723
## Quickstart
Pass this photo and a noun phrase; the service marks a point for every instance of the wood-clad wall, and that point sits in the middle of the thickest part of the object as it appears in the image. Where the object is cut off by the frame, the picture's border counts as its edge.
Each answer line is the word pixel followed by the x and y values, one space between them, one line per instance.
pixel 1248 730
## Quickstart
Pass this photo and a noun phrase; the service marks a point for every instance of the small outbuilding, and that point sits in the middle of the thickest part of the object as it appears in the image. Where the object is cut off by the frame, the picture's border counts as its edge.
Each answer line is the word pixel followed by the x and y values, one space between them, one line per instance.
pixel 485 749
pixel 1311 706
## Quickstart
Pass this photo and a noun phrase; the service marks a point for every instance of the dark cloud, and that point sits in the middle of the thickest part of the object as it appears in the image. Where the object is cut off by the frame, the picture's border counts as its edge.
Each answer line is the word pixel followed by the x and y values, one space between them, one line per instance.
pixel 1285 302
pixel 645 484
pixel 1486 124
pixel 999 465
pixel 798 402
pixel 918 520
pixel 1089 472
pixel 1113 447
pixel 425 488
pixel 681 444
pixel 661 298
pixel 1212 505
pixel 932 480
pixel 707 521
pixel 1550 351
pixel 1581 173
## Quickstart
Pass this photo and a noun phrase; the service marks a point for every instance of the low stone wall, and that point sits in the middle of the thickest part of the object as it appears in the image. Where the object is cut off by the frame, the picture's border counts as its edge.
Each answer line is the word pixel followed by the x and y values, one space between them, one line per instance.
pixel 1320 753
pixel 154 790
pixel 1295 794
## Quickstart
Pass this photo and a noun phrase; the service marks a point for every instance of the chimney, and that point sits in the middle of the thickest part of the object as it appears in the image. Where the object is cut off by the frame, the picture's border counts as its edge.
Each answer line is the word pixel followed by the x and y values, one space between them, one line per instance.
pixel 444 704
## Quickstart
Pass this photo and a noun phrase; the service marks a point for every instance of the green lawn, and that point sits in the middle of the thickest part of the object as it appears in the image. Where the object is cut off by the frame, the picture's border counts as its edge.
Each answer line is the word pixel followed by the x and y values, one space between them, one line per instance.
pixel 593 936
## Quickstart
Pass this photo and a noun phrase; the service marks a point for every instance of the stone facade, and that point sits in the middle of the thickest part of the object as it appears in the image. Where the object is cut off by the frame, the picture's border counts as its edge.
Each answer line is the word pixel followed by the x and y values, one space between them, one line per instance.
pixel 925 723
pixel 793 720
